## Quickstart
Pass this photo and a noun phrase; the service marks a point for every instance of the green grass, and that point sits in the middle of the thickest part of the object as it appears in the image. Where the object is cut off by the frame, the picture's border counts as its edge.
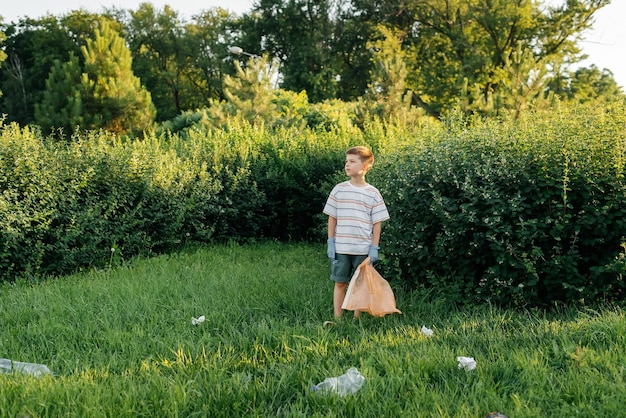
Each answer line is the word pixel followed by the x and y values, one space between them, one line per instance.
pixel 121 344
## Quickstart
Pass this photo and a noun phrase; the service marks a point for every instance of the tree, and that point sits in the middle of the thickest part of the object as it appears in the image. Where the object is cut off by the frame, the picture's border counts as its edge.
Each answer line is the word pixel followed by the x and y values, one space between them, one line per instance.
pixel 33 46
pixel 209 35
pixel 387 97
pixel 181 63
pixel 589 84
pixel 300 33
pixel 103 94
pixel 249 94
pixel 156 40
pixel 61 104
pixel 111 95
pixel 522 83
pixel 456 43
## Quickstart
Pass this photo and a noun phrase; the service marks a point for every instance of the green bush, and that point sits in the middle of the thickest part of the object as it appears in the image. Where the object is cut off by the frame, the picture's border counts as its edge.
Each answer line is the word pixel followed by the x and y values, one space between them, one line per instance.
pixel 66 206
pixel 98 198
pixel 292 170
pixel 27 201
pixel 531 211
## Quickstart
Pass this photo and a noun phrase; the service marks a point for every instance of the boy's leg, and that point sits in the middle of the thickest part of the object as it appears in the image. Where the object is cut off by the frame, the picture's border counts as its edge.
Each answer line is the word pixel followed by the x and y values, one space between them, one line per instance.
pixel 340 274
pixel 338 296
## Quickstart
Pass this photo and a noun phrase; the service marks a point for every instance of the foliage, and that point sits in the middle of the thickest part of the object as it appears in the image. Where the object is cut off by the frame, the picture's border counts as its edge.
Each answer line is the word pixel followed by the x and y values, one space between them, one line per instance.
pixel 501 58
pixel 453 43
pixel 64 206
pixel 3 55
pixel 248 95
pixel 592 85
pixel 159 53
pixel 61 104
pixel 527 212
pixel 97 90
pixel 300 34
pixel 120 342
pixel 33 46
pixel 111 96
pixel 179 62
pixel 387 97
pixel 517 211
pixel 98 192
pixel 523 84
pixel 252 98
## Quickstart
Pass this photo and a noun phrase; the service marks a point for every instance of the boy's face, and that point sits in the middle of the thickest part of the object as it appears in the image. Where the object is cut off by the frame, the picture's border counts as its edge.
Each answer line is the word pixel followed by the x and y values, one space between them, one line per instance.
pixel 354 166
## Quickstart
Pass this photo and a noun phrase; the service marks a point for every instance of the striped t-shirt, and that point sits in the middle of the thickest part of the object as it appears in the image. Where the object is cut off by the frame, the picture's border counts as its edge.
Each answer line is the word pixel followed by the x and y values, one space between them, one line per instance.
pixel 356 209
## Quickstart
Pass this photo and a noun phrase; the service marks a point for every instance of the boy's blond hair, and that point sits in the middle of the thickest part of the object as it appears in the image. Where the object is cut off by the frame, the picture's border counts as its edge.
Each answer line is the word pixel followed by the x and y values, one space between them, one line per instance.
pixel 364 153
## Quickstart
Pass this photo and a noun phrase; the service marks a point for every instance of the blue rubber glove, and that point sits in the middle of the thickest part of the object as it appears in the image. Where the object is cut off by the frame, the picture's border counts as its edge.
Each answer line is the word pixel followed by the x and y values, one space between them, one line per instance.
pixel 331 248
pixel 373 254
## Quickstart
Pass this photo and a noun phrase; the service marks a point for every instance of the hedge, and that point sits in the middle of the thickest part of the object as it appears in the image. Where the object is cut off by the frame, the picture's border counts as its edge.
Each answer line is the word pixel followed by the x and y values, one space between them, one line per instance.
pixel 511 212
pixel 525 212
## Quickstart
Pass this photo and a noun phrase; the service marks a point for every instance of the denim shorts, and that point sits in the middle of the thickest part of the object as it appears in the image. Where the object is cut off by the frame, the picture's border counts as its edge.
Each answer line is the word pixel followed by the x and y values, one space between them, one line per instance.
pixel 343 267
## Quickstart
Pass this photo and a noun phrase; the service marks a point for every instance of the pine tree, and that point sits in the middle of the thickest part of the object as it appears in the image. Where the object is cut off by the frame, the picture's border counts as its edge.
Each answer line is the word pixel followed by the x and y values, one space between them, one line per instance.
pixel 112 96
pixel 249 95
pixel 61 106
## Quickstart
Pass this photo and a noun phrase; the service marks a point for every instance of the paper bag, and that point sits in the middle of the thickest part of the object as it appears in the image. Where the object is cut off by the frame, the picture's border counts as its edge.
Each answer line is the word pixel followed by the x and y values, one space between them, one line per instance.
pixel 369 292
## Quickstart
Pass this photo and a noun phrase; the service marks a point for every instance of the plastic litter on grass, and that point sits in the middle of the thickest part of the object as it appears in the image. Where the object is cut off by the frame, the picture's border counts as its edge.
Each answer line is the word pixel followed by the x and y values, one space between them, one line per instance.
pixel 33 369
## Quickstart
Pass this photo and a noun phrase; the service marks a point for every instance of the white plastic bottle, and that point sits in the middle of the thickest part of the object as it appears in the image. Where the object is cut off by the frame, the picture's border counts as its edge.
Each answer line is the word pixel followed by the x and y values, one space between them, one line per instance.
pixel 348 383
pixel 33 369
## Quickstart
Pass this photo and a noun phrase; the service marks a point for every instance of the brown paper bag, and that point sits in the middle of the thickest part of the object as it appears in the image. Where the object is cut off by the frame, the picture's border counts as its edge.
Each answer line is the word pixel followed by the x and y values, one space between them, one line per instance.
pixel 369 292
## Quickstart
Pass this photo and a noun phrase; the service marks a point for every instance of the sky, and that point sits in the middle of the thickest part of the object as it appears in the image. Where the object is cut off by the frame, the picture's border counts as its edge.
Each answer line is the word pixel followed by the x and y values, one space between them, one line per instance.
pixel 605 43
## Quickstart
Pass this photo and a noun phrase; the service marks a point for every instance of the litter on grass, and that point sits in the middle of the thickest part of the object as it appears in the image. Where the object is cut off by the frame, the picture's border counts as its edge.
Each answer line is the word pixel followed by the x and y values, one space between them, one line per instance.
pixel 198 320
pixel 348 383
pixel 467 363
pixel 33 369
pixel 495 414
pixel 427 331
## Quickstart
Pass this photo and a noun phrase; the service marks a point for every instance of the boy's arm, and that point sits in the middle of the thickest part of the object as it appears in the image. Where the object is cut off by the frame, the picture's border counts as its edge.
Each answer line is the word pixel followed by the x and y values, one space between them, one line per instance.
pixel 376 233
pixel 332 225
pixel 330 251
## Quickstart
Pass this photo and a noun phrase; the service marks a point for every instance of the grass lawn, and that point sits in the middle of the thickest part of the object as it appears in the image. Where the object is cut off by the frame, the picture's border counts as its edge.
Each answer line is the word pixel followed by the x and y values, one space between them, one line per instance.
pixel 121 343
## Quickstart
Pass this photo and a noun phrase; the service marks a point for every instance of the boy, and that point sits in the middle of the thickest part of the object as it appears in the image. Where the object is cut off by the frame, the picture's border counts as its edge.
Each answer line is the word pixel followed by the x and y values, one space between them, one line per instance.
pixel 355 211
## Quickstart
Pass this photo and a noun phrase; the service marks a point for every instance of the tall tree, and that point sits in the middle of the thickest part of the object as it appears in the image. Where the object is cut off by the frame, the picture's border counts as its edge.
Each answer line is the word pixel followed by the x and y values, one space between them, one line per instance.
pixel 387 97
pixel 454 43
pixel 590 84
pixel 209 34
pixel 33 46
pixel 61 105
pixel 181 63
pixel 248 94
pixel 300 33
pixel 112 96
pixel 156 41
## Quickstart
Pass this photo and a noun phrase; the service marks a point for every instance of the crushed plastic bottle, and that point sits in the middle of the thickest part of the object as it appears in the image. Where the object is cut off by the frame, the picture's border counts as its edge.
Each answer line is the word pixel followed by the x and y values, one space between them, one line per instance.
pixel 495 414
pixel 198 320
pixel 467 363
pixel 33 369
pixel 427 331
pixel 348 383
